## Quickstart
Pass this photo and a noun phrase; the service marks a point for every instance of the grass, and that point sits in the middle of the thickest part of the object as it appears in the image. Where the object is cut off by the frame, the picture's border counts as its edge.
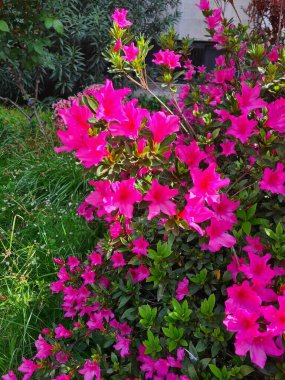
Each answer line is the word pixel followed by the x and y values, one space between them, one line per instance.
pixel 39 193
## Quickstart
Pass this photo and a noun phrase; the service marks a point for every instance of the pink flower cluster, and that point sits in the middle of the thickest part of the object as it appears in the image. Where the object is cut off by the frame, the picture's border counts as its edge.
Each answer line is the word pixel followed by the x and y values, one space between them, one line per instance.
pixel 258 325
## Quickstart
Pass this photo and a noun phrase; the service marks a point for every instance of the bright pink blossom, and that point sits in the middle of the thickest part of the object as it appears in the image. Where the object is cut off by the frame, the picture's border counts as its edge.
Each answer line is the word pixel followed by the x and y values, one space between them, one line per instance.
pixel 96 321
pixel 72 262
pixel 243 322
pixel 125 196
pixel 253 245
pixel 140 246
pixel 234 266
pixel 274 181
pixel 258 345
pixel 119 16
pixel 249 98
pixel 242 296
pixel 160 196
pixel 101 196
pixel 28 367
pixel 217 231
pixel 163 125
pixel 110 106
pixel 131 52
pixel 76 116
pixel 224 210
pixel 276 317
pixel 91 370
pixel 139 274
pixel 123 344
pixel 228 148
pixel 196 212
pixel 43 347
pixel 258 269
pixel 62 332
pixel 62 377
pixel 182 289
pixel 167 58
pixel 9 376
pixel 273 55
pixel 61 357
pixel 94 150
pixel 118 259
pixel 132 123
pixel 241 127
pixel 191 155
pixel 207 183
pixel 204 5
pixel 276 115
pixel 95 258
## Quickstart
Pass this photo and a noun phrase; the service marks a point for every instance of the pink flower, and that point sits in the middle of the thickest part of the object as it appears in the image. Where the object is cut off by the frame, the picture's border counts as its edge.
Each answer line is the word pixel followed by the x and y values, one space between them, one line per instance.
pixel 218 236
pixel 94 150
pixel 241 128
pixel 253 245
pixel 118 259
pixel 96 321
pixel 224 210
pixel 160 196
pixel 72 262
pixel 119 16
pixel 182 289
pixel 88 275
pixel 123 344
pixel 110 106
pixel 196 212
pixel 91 370
pixel 101 196
pixel 163 125
pixel 62 377
pixel 161 367
pixel 191 155
pixel 274 180
pixel 249 98
pixel 207 183
pixel 273 55
pixel 228 148
pixel 44 349
pixel 242 296
pixel 276 317
pixel 204 5
pixel 140 246
pixel 118 45
pixel 258 268
pixel 214 20
pixel 131 52
pixel 62 332
pixel 125 196
pixel 139 274
pixel 28 367
pixel 95 258
pixel 131 125
pixel 61 357
pixel 276 115
pixel 243 322
pixel 167 58
pixel 9 376
pixel 234 266
pixel 258 345
pixel 76 116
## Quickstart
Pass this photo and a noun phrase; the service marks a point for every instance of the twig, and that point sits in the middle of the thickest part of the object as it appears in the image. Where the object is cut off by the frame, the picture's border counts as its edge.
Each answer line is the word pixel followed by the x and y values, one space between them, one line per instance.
pixel 16 105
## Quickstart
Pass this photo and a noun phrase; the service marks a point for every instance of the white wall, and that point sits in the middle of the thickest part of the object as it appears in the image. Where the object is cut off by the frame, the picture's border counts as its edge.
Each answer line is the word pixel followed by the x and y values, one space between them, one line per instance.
pixel 191 22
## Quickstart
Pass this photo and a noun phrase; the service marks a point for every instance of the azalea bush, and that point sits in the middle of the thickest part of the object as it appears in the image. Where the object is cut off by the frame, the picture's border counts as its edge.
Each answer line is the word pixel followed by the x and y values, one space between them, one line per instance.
pixel 188 281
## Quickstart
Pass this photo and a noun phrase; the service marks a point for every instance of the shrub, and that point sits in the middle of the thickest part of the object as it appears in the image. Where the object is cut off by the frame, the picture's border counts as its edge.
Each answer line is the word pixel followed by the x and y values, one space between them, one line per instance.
pixel 182 285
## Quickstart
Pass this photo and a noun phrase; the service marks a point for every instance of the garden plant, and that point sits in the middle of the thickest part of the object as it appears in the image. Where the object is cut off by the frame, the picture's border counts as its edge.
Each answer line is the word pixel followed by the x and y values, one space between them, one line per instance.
pixel 188 280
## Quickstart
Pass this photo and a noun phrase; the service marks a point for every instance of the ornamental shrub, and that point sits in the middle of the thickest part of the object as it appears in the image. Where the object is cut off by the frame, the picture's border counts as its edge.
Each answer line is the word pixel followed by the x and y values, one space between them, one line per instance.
pixel 188 281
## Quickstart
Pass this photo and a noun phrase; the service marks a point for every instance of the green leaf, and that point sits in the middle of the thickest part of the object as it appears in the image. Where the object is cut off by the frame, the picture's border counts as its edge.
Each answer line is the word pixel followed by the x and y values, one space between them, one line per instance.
pixel 246 370
pixel 4 26
pixel 215 371
pixel 58 26
pixel 251 211
pixel 246 226
pixel 49 22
